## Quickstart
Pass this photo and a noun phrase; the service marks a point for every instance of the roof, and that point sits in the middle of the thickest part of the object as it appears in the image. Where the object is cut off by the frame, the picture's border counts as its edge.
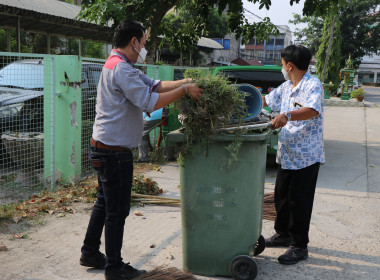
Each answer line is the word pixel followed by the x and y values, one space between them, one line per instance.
pixel 241 61
pixel 204 42
pixel 209 43
pixel 50 17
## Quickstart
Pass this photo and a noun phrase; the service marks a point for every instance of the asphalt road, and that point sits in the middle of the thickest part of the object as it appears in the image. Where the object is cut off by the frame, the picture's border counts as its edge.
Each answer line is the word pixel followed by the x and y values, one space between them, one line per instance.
pixel 372 95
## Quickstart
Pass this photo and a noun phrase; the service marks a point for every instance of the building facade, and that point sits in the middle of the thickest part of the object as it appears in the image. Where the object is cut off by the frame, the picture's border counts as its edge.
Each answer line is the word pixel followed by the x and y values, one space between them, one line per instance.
pixel 230 51
pixel 369 70
pixel 268 51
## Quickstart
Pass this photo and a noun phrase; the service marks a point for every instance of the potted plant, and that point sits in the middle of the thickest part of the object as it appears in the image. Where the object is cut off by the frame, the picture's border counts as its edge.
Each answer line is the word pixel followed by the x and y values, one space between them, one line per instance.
pixel 358 94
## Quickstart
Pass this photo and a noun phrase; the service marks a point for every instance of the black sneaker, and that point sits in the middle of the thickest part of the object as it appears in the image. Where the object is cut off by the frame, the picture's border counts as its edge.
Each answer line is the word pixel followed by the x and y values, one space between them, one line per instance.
pixel 276 241
pixel 125 272
pixel 97 261
pixel 293 255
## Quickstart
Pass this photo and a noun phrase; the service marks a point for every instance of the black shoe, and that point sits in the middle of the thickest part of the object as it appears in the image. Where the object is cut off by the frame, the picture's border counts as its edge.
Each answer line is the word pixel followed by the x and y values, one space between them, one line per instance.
pixel 125 272
pixel 98 260
pixel 276 241
pixel 293 255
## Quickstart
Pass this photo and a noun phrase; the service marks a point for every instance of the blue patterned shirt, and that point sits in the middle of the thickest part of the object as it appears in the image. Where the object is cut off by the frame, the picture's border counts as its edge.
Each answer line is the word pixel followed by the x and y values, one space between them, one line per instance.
pixel 300 143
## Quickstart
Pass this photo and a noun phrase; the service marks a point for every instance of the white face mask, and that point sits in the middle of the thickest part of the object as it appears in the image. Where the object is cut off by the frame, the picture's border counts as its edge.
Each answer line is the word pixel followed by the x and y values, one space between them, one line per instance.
pixel 286 75
pixel 142 54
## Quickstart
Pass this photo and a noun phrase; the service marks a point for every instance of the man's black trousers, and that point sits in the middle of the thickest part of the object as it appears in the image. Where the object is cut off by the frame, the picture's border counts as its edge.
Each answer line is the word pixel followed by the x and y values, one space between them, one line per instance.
pixel 294 197
pixel 115 175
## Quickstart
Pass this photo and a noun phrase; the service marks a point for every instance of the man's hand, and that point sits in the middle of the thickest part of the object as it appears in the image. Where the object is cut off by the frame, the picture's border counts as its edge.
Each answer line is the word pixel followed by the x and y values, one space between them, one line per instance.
pixel 187 80
pixel 279 121
pixel 194 91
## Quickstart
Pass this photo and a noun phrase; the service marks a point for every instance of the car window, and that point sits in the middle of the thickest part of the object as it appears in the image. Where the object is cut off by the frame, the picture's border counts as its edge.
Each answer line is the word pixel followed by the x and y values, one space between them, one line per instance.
pixel 94 76
pixel 22 75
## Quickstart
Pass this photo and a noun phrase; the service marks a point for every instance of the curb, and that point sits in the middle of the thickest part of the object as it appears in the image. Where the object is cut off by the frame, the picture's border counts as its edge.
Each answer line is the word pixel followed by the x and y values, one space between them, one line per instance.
pixel 337 102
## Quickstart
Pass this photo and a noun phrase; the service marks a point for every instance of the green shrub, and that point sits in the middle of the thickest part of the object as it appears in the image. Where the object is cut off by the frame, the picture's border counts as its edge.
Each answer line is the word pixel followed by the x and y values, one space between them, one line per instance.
pixel 357 92
pixel 332 88
pixel 195 74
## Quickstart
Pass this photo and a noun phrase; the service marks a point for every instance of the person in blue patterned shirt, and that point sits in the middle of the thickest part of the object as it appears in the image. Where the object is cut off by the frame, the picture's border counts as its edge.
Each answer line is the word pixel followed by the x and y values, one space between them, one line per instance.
pixel 300 152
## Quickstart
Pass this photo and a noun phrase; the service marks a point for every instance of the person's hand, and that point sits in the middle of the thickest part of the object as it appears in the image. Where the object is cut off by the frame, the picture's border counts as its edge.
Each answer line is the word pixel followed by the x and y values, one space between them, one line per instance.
pixel 194 91
pixel 187 80
pixel 279 121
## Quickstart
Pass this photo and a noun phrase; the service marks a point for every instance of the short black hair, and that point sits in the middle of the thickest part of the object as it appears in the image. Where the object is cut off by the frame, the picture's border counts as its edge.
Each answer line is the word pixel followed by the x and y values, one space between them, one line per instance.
pixel 125 31
pixel 299 55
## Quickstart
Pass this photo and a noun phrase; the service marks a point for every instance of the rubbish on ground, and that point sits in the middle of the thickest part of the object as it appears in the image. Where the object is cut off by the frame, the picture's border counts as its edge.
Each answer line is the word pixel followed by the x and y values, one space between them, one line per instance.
pixel 3 247
pixel 137 213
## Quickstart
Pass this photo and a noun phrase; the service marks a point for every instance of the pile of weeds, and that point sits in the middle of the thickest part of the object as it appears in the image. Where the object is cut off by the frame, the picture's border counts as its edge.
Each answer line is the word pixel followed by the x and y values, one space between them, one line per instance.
pixel 144 185
pixel 221 103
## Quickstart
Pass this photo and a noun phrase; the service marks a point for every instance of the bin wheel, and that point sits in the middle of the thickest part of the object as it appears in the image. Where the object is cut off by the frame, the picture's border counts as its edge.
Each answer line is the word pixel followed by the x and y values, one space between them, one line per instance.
pixel 259 246
pixel 243 268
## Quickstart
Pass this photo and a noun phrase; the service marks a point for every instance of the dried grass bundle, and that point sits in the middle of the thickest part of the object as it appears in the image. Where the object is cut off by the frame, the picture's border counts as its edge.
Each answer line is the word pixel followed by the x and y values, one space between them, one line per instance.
pixel 220 102
pixel 269 210
pixel 166 273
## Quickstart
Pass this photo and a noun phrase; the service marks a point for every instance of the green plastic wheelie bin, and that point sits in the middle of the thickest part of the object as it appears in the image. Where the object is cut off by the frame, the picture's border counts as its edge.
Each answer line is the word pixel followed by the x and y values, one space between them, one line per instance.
pixel 222 207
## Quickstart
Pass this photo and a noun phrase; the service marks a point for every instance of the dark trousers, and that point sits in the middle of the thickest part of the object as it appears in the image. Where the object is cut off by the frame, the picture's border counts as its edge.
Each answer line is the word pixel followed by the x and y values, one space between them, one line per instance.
pixel 115 175
pixel 294 197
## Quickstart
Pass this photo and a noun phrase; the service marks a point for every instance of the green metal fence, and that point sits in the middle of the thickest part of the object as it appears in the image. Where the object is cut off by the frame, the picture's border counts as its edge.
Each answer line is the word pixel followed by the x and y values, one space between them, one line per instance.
pixel 47 110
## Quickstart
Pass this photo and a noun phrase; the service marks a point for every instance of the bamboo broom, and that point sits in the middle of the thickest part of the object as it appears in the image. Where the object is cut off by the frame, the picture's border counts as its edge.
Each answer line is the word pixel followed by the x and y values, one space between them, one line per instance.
pixel 269 211
pixel 166 273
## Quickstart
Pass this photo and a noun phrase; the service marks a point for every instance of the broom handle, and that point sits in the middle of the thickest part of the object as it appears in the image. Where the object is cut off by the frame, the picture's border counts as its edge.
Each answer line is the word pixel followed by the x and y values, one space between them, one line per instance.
pixel 248 127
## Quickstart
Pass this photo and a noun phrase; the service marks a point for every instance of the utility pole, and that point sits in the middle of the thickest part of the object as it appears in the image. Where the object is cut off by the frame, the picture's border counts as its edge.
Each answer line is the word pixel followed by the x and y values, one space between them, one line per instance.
pixel 328 49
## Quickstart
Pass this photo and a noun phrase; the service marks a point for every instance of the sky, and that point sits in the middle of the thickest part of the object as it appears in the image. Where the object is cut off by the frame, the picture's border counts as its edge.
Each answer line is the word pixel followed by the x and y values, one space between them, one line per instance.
pixel 280 12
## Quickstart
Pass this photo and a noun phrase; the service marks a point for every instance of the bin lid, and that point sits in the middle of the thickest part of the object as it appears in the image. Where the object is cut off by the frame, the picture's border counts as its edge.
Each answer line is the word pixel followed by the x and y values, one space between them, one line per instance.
pixel 178 136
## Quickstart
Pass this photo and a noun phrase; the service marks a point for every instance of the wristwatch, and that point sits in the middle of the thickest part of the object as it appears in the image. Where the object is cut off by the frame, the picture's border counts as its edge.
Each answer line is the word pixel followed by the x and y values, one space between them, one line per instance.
pixel 288 115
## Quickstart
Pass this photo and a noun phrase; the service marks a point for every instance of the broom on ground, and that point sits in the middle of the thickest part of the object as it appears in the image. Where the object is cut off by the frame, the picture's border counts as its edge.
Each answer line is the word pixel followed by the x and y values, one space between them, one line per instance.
pixel 166 273
pixel 269 211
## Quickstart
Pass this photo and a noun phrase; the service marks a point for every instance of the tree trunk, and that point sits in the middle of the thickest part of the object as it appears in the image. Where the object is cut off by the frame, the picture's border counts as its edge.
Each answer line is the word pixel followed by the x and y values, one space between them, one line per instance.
pixel 154 23
pixel 328 49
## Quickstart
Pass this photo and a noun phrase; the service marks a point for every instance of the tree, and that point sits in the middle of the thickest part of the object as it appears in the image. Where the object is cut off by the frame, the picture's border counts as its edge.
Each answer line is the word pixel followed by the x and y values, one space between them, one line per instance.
pixel 311 35
pixel 152 12
pixel 217 25
pixel 359 30
pixel 332 73
pixel 89 48
pixel 181 32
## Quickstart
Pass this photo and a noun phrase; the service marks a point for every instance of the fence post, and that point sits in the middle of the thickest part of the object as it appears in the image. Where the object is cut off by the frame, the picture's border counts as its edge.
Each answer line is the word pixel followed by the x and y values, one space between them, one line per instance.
pixel 65 131
pixel 49 122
